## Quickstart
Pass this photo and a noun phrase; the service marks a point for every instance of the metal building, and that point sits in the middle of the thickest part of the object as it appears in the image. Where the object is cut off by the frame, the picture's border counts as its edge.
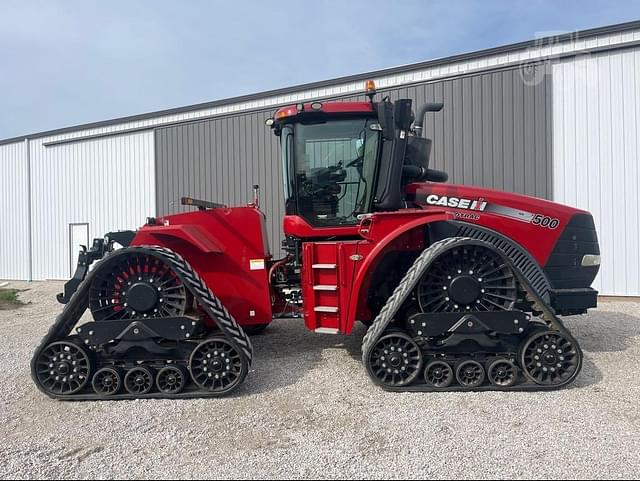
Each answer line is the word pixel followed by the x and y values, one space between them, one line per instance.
pixel 557 117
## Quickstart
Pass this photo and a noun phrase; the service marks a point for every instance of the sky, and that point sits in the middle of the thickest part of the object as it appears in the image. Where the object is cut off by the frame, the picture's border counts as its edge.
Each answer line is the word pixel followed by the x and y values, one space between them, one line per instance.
pixel 67 62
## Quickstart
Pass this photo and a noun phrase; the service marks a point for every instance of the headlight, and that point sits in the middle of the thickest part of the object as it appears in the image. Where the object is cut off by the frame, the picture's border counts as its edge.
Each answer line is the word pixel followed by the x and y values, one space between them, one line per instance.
pixel 589 260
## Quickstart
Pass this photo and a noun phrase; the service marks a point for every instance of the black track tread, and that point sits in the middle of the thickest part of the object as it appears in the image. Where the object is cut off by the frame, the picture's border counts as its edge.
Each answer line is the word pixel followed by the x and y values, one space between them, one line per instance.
pixel 209 302
pixel 409 283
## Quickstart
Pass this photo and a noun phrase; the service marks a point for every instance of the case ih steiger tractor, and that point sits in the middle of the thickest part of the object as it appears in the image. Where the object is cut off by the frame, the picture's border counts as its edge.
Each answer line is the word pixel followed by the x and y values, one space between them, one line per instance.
pixel 461 287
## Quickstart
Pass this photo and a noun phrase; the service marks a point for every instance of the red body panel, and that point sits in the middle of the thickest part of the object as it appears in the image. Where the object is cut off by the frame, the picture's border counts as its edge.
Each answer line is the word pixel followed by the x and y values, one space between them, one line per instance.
pixel 518 217
pixel 510 214
pixel 298 227
pixel 228 247
pixel 220 244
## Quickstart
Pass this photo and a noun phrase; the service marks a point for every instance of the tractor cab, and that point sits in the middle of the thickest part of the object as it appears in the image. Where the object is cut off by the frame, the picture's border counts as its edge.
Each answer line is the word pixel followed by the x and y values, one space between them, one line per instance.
pixel 344 159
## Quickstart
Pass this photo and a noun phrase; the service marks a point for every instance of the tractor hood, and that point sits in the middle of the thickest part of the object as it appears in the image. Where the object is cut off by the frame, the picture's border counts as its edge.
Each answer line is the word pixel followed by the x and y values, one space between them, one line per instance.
pixel 482 200
pixel 511 214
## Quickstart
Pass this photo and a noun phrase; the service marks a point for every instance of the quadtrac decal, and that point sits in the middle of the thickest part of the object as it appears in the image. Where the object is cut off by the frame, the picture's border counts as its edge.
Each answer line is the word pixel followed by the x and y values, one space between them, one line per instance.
pixel 481 205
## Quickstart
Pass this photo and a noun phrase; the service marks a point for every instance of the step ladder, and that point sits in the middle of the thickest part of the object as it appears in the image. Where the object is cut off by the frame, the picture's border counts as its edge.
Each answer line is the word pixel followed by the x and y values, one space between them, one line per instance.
pixel 323 291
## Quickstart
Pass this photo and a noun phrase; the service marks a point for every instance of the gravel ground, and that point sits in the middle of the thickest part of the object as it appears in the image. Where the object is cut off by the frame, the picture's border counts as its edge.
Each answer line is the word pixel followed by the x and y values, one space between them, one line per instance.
pixel 308 410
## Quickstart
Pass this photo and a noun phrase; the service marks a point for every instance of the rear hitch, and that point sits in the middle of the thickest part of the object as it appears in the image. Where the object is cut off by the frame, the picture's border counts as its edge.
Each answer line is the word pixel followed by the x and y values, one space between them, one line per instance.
pixel 86 257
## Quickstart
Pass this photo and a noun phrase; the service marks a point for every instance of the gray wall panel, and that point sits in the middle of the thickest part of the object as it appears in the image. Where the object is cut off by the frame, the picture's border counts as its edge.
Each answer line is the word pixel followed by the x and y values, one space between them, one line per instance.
pixel 494 132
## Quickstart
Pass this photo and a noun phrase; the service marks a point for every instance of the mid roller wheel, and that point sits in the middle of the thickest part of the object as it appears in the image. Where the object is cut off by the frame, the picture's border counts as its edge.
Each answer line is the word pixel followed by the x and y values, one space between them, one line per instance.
pixel 502 372
pixel 107 381
pixel 171 379
pixel 438 374
pixel 470 374
pixel 63 368
pixel 550 358
pixel 217 366
pixel 138 380
pixel 395 360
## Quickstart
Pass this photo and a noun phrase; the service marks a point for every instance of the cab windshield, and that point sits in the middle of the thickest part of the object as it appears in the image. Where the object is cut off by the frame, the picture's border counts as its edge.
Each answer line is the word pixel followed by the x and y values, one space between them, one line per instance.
pixel 329 169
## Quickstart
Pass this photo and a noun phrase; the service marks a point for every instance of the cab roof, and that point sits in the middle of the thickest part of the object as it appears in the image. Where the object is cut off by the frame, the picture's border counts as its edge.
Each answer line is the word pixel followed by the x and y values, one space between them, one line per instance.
pixel 286 113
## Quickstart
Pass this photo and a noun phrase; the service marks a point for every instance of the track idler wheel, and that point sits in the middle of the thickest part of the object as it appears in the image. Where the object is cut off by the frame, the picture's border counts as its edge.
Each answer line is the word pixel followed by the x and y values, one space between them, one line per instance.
pixel 470 373
pixel 217 366
pixel 502 372
pixel 550 358
pixel 138 380
pixel 63 368
pixel 171 379
pixel 107 381
pixel 438 374
pixel 395 360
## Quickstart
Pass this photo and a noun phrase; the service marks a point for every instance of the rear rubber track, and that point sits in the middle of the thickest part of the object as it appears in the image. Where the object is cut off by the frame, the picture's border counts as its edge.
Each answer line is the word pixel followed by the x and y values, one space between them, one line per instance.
pixel 206 299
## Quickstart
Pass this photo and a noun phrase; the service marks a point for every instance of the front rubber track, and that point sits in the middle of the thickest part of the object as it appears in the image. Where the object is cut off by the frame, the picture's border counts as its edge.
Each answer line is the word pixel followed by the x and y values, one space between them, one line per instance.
pixel 402 292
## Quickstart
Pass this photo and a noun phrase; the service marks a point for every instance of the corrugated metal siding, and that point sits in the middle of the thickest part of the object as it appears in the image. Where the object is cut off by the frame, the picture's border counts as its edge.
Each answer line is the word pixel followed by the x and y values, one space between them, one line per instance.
pixel 108 183
pixel 220 160
pixel 596 131
pixel 14 242
pixel 492 132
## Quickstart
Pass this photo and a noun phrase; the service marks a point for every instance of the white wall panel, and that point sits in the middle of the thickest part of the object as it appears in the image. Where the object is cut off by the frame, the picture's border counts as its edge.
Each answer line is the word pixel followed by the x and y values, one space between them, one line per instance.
pixel 108 183
pixel 596 150
pixel 14 220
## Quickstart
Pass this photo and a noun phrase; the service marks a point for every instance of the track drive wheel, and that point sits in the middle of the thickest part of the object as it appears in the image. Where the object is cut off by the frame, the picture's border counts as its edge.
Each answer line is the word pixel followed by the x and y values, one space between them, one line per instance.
pixel 395 360
pixel 470 373
pixel 138 380
pixel 550 358
pixel 107 381
pixel 217 366
pixel 171 379
pixel 438 374
pixel 502 372
pixel 63 368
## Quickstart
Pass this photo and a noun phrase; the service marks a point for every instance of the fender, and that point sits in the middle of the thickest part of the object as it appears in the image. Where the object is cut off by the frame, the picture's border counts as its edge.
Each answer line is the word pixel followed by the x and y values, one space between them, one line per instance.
pixel 376 254
pixel 190 233
pixel 227 248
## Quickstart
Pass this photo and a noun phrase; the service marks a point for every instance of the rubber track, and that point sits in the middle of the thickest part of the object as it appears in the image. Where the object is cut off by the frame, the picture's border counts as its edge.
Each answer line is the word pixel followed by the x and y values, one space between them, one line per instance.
pixel 213 307
pixel 409 283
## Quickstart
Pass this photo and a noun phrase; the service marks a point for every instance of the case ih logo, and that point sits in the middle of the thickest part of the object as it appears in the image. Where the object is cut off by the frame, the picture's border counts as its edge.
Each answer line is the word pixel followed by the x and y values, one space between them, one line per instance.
pixel 457 202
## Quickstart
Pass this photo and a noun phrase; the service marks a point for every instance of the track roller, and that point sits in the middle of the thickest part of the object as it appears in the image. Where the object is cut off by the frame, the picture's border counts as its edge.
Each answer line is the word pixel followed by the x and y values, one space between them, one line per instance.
pixel 470 373
pixel 438 374
pixel 217 366
pixel 138 380
pixel 107 381
pixel 395 360
pixel 550 358
pixel 63 368
pixel 171 379
pixel 502 372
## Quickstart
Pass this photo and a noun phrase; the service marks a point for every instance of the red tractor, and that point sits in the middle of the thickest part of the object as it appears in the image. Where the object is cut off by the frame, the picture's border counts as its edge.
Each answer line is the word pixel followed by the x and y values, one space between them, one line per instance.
pixel 461 287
